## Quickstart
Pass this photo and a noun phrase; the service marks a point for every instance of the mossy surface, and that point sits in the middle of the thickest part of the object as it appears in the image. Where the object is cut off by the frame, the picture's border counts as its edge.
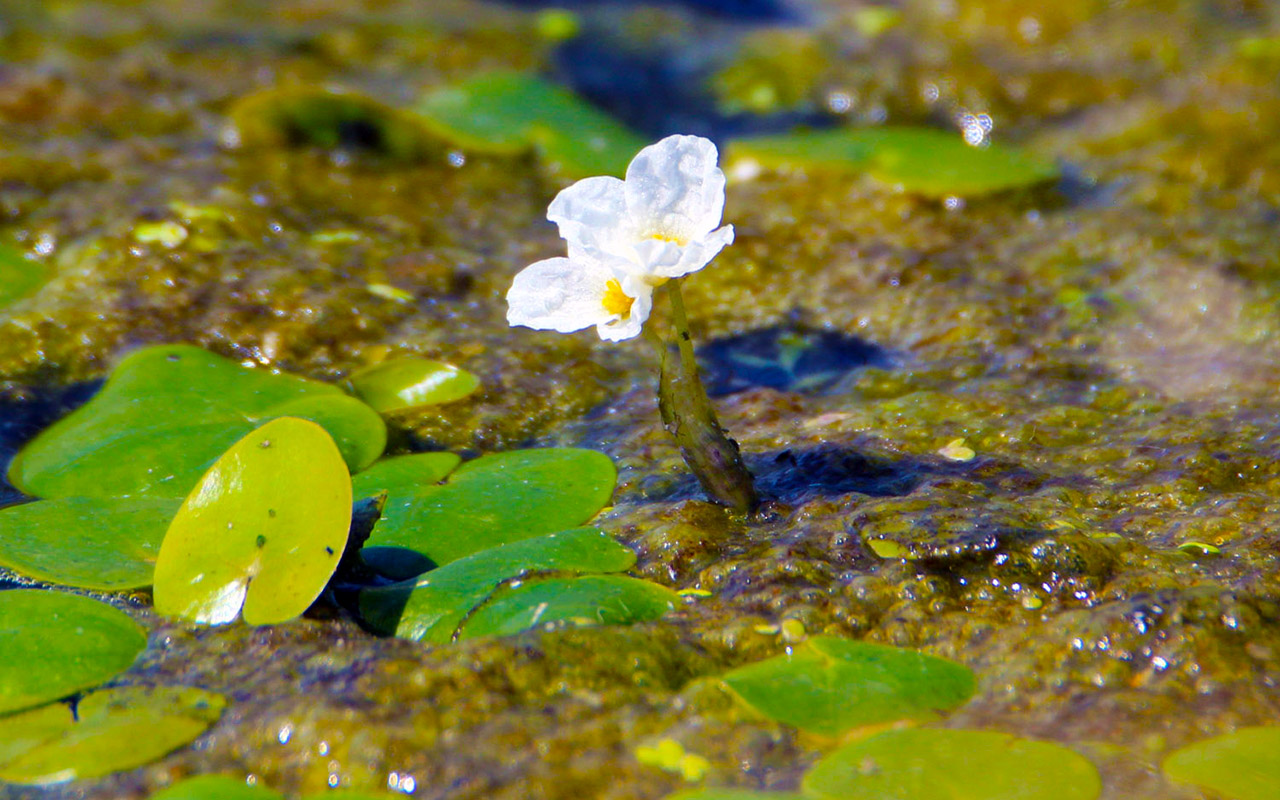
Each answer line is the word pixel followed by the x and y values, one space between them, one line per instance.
pixel 1109 349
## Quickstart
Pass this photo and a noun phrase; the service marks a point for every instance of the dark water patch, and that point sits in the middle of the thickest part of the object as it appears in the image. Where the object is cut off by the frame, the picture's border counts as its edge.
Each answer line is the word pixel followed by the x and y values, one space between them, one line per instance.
pixel 788 358
pixel 794 474
pixel 757 11
pixel 24 412
pixel 655 74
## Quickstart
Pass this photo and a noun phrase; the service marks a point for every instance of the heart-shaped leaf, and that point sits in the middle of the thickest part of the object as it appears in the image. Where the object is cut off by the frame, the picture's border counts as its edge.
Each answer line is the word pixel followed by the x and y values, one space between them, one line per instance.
pixel 921 160
pixel 106 544
pixel 216 787
pixel 167 412
pixel 509 112
pixel 431 608
pixel 829 685
pixel 19 276
pixel 411 382
pixel 590 600
pixel 109 731
pixel 1241 765
pixel 955 764
pixel 264 529
pixel 55 644
pixel 491 501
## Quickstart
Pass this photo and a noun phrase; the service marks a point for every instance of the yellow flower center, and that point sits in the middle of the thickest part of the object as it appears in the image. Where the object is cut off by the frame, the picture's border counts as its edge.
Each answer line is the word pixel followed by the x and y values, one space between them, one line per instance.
pixel 616 301
pixel 664 236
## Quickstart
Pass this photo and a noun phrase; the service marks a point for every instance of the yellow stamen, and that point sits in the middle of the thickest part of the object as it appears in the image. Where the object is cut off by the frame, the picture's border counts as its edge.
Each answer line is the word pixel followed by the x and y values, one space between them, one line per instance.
pixel 616 301
pixel 663 236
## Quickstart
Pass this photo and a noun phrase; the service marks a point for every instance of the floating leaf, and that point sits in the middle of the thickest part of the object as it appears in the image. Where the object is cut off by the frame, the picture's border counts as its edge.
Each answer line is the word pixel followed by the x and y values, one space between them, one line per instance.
pixel 167 412
pixel 411 382
pixel 592 600
pixel 921 160
pixel 830 685
pixel 109 731
pixel 75 642
pixel 506 113
pixel 91 543
pixel 1241 765
pixel 263 529
pixel 404 474
pixel 491 501
pixel 218 787
pixel 19 276
pixel 328 118
pixel 431 608
pixel 956 764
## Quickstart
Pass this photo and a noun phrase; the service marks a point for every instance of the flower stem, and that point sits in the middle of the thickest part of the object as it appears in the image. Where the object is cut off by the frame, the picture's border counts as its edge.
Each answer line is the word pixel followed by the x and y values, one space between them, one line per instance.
pixel 688 416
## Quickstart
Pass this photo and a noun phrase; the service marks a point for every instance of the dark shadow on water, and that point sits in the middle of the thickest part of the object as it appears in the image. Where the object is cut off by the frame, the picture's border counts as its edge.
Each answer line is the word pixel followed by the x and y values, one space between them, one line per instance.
pixel 832 470
pixel 788 358
pixel 737 10
pixel 795 475
pixel 26 412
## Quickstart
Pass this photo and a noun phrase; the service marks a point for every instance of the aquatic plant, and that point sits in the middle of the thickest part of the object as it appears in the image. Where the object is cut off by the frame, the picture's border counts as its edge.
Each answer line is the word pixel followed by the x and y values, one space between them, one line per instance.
pixel 627 238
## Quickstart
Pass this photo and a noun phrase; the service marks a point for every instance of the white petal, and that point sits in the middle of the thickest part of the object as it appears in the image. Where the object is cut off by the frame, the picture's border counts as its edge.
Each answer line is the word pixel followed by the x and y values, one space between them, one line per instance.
pixel 617 330
pixel 558 294
pixel 674 188
pixel 698 253
pixel 590 213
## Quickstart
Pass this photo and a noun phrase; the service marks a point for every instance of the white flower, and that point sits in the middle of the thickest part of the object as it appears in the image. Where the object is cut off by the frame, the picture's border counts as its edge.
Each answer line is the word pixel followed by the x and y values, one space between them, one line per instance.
pixel 569 294
pixel 625 238
pixel 661 222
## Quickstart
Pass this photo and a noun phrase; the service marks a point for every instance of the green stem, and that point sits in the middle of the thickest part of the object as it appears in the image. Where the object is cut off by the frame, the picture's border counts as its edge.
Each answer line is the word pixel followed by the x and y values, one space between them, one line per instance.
pixel 689 417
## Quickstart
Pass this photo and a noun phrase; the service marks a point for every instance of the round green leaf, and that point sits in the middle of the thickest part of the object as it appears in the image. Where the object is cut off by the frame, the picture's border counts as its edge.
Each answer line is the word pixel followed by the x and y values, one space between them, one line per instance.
pixel 1242 765
pixel 921 160
pixel 166 413
pixel 410 382
pixel 402 475
pixel 216 787
pixel 76 643
pixel 90 543
pixel 329 118
pixel 263 529
pixel 829 685
pixel 592 600
pixel 110 730
pixel 491 501
pixel 431 608
pixel 510 112
pixel 19 276
pixel 926 763
pixel 357 429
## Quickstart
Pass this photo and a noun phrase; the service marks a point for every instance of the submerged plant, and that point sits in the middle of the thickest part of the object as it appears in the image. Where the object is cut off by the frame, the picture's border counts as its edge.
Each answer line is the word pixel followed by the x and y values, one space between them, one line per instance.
pixel 627 238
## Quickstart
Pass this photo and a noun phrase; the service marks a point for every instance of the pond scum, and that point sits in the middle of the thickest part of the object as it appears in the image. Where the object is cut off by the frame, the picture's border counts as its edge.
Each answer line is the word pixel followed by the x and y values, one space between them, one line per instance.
pixel 996 335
